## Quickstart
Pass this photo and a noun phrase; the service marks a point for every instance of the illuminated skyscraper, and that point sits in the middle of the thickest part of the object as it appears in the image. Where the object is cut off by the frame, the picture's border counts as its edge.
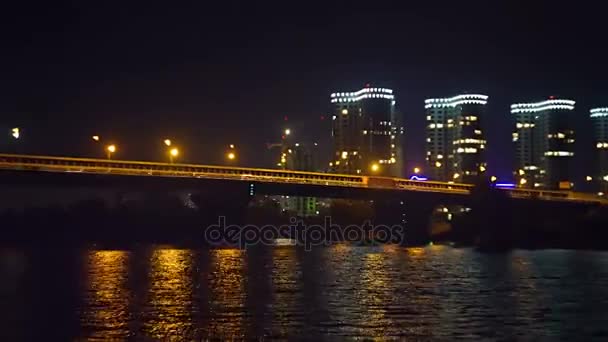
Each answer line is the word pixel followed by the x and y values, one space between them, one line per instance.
pixel 544 143
pixel 455 139
pixel 366 133
pixel 599 117
pixel 300 157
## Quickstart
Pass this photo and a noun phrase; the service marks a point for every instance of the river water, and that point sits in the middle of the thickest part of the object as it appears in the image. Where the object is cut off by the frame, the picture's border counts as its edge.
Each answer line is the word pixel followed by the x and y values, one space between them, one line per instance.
pixel 342 291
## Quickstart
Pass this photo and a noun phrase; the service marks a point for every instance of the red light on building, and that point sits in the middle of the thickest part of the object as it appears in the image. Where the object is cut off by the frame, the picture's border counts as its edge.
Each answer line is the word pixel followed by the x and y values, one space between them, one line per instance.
pixel 283 137
pixel 285 118
pixel 551 97
pixel 367 85
pixel 322 117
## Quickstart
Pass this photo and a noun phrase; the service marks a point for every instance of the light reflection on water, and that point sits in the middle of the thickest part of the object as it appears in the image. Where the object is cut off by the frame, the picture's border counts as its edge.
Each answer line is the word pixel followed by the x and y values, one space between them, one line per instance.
pixel 159 293
pixel 169 307
pixel 107 296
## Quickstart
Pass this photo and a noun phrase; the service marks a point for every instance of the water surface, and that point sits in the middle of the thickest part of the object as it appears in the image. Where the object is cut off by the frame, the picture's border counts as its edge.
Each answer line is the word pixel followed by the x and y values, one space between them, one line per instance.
pixel 162 292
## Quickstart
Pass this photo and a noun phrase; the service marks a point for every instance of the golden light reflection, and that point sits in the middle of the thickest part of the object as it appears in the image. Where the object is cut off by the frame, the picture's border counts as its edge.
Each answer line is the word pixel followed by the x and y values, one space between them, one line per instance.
pixel 107 296
pixel 376 295
pixel 228 294
pixel 286 277
pixel 170 297
pixel 416 252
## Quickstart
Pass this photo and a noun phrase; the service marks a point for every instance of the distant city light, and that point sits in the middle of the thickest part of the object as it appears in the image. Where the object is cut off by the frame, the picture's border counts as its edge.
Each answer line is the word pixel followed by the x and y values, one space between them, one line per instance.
pixel 95 137
pixel 375 167
pixel 174 152
pixel 416 170
pixel 493 179
pixel 231 145
pixel 523 181
pixel 15 133
pixel 287 131
pixel 231 156
pixel 456 175
pixel 167 142
pixel 438 164
pixel 589 178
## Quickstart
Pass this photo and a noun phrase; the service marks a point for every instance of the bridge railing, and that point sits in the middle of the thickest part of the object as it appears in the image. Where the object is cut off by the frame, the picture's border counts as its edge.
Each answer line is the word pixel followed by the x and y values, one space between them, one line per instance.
pixel 85 165
pixel 139 168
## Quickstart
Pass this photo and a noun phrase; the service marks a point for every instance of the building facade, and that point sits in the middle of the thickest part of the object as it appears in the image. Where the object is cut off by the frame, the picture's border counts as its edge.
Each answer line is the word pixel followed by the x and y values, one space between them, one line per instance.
pixel 544 138
pixel 366 133
pixel 300 157
pixel 455 141
pixel 599 118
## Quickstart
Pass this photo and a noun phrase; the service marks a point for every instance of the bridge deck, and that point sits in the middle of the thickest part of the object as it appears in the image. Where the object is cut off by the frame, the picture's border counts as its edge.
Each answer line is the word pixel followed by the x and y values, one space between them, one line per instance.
pixel 140 168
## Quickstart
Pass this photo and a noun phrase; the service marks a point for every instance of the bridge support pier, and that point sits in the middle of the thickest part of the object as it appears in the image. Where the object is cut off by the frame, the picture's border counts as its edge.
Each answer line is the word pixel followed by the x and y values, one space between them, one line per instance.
pixel 412 215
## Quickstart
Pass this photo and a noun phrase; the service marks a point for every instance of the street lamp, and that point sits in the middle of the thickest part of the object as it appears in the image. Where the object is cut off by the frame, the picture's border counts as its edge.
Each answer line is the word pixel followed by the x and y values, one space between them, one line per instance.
pixel 173 153
pixel 493 179
pixel 110 149
pixel 231 154
pixel 438 164
pixel 416 170
pixel 95 138
pixel 375 167
pixel 456 175
pixel 167 142
pixel 482 168
pixel 287 131
pixel 523 181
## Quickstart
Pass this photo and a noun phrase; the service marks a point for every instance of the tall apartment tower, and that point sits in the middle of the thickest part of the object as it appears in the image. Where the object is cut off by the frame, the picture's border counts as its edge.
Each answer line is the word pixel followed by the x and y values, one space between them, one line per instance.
pixel 300 157
pixel 366 132
pixel 544 143
pixel 599 117
pixel 455 141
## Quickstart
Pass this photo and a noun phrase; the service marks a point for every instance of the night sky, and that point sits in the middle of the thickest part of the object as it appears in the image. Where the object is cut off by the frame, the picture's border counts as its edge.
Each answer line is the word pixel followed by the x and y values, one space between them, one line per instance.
pixel 209 75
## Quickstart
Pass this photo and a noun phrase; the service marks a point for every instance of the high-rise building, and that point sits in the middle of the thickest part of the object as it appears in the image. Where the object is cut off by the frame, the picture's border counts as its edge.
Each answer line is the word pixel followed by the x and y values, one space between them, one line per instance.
pixel 544 143
pixel 599 117
pixel 300 157
pixel 366 132
pixel 455 139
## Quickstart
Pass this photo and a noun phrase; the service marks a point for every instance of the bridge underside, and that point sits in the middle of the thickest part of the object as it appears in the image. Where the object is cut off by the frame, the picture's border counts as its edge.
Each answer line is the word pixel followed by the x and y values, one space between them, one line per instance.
pixel 219 186
pixel 493 212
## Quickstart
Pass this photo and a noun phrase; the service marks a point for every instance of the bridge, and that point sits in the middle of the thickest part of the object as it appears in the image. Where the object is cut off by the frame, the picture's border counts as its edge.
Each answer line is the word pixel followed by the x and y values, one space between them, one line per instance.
pixel 31 163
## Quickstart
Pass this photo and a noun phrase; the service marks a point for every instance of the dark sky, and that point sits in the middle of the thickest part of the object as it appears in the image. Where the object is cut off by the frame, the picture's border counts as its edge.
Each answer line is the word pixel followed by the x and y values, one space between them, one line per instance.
pixel 209 75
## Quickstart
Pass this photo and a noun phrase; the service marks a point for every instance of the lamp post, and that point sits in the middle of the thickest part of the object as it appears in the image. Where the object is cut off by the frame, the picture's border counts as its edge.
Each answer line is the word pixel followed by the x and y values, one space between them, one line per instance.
pixel 375 167
pixel 231 153
pixel 173 153
pixel 110 149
